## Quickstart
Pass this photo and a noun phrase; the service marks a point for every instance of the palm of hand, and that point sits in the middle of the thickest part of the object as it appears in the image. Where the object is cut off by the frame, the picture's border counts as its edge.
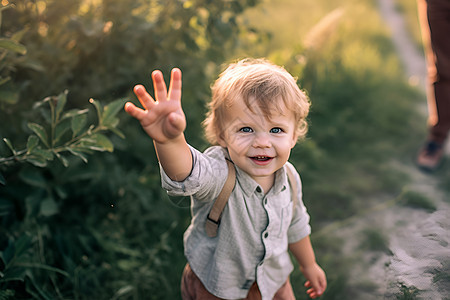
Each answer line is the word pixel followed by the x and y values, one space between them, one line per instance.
pixel 163 119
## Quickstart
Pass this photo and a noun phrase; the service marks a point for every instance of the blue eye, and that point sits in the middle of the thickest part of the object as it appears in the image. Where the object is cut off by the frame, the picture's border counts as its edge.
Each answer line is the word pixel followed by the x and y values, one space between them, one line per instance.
pixel 246 129
pixel 276 130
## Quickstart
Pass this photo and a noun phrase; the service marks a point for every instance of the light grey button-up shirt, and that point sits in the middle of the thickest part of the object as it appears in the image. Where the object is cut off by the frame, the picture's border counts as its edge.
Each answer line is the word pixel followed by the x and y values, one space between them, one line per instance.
pixel 252 240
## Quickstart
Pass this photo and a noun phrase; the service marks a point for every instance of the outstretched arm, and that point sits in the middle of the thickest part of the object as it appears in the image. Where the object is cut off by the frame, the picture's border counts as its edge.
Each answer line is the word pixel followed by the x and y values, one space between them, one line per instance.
pixel 163 120
pixel 316 279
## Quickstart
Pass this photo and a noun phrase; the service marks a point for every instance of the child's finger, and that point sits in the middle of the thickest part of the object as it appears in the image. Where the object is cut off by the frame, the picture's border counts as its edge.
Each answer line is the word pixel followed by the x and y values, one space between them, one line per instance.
pixel 145 99
pixel 159 85
pixel 175 85
pixel 319 285
pixel 312 293
pixel 133 111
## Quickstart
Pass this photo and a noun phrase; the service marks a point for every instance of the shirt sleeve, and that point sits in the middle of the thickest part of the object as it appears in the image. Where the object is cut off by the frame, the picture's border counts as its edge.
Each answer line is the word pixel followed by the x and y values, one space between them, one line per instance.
pixel 299 227
pixel 208 174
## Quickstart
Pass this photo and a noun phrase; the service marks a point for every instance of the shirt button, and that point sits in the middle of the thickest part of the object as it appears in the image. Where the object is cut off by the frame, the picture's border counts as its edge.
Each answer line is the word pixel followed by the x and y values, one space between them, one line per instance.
pixel 266 235
pixel 265 201
pixel 258 189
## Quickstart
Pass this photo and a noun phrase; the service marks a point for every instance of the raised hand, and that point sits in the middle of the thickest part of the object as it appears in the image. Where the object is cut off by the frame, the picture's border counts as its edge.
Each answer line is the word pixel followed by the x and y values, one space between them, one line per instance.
pixel 162 118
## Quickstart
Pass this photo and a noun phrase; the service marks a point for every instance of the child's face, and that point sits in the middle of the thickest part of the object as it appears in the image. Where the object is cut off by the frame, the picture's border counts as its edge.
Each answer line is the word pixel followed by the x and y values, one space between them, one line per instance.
pixel 257 144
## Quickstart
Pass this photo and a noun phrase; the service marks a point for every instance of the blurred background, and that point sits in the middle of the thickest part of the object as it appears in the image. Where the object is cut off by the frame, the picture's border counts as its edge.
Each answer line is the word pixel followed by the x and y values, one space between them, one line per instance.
pixel 82 213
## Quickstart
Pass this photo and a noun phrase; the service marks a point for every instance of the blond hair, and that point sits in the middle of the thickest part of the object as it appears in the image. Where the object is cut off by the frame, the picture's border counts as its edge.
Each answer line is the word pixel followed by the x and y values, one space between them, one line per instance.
pixel 255 80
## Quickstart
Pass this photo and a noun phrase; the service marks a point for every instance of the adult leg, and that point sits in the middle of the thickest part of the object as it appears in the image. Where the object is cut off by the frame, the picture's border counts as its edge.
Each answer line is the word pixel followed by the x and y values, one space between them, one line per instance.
pixel 435 23
pixel 439 21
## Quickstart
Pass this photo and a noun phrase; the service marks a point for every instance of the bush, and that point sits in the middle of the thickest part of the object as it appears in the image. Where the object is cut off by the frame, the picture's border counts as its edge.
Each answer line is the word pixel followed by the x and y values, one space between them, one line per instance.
pixel 78 220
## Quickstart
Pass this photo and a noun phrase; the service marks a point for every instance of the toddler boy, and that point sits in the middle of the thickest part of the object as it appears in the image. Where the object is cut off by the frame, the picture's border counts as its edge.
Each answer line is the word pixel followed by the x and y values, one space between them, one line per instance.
pixel 255 118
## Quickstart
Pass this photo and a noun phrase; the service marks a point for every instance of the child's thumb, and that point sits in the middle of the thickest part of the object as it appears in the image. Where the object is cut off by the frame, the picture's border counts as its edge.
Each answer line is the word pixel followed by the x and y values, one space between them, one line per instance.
pixel 177 121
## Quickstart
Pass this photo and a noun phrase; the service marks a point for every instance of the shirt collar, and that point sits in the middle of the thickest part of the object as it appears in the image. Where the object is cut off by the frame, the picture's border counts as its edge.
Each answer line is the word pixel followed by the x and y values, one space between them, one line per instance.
pixel 250 186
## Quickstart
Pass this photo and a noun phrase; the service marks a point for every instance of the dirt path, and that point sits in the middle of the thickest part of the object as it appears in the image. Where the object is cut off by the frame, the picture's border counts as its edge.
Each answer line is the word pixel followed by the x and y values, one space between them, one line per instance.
pixel 419 241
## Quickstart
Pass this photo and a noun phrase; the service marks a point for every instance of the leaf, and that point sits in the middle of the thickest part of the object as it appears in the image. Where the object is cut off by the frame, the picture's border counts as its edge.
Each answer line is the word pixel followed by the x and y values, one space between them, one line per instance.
pixel 14 251
pixel 63 160
pixel 62 99
pixel 38 104
pixel 61 129
pixel 74 112
pixel 78 123
pixel 37 161
pixel 39 157
pixel 10 146
pixel 13 274
pixel 17 36
pixel 98 108
pixel 40 132
pixel 77 154
pixel 49 207
pixel 2 179
pixel 117 132
pixel 45 154
pixel 110 111
pixel 32 142
pixel 44 267
pixel 80 148
pixel 22 245
pixel 97 142
pixel 123 292
pixel 12 46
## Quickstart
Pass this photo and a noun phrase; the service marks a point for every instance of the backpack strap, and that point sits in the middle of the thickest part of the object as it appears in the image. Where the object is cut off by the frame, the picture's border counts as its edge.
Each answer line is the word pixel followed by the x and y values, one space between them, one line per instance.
pixel 213 219
pixel 293 184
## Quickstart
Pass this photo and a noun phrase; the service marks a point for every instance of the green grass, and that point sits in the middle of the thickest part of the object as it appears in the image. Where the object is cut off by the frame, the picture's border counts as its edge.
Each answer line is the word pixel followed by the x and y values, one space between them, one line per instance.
pixel 416 200
pixel 374 240
pixel 407 293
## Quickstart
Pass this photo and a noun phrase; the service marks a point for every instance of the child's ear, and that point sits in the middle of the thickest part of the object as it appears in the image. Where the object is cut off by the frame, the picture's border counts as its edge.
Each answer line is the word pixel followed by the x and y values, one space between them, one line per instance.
pixel 294 140
pixel 221 141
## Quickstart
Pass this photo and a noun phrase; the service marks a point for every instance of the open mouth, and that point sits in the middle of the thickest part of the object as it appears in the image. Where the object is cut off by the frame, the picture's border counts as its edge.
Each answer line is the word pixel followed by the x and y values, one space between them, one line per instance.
pixel 261 159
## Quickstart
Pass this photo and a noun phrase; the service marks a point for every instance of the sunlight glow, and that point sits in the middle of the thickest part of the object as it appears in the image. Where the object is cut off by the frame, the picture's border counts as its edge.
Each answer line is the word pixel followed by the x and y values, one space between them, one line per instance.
pixel 87 5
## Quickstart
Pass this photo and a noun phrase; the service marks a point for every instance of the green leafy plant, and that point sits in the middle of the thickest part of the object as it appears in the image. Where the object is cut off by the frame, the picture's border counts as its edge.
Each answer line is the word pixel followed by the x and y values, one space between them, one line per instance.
pixel 66 133
pixel 10 52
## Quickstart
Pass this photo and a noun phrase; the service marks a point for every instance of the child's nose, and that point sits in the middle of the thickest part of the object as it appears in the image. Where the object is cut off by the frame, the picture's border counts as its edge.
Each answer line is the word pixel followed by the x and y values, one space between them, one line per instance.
pixel 261 140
